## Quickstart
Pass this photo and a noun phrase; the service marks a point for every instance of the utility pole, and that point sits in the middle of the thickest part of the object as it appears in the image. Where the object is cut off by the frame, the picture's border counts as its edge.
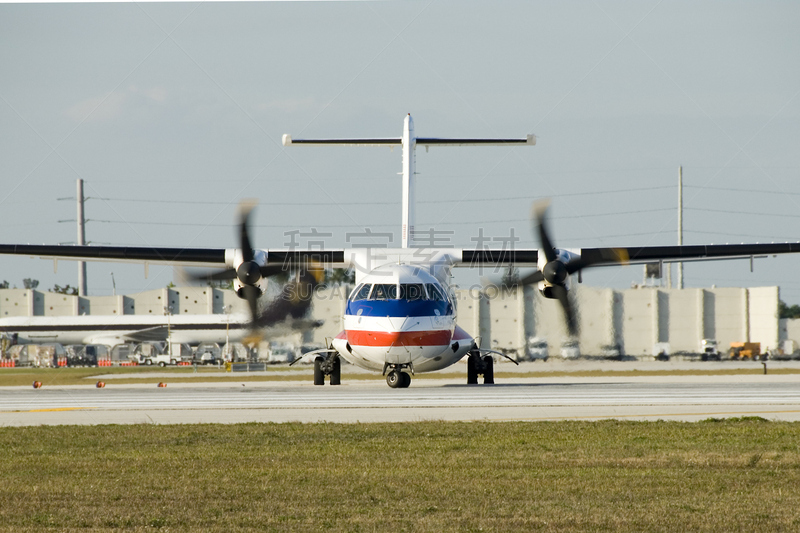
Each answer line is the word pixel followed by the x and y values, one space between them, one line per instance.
pixel 680 223
pixel 81 240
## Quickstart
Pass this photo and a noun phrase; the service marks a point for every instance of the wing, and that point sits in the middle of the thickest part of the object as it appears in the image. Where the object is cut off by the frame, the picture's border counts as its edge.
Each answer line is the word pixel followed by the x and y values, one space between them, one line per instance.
pixel 634 255
pixel 187 257
pixel 671 254
pixel 201 257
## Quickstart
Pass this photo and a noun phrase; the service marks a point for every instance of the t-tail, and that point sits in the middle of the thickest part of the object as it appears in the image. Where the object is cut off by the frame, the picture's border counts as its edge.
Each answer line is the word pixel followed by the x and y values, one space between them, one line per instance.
pixel 409 142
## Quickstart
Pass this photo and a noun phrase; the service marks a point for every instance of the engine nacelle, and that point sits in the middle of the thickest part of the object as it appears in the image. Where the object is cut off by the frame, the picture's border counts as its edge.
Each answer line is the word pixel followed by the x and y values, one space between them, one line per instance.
pixel 251 273
pixel 238 287
pixel 547 291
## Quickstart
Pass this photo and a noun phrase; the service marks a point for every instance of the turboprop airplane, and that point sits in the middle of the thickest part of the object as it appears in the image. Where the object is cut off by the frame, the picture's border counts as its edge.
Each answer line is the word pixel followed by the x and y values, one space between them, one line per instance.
pixel 118 329
pixel 401 317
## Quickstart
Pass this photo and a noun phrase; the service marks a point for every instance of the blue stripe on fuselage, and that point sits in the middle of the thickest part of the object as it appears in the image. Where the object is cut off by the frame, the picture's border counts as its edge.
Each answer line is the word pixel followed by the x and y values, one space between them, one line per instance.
pixel 398 308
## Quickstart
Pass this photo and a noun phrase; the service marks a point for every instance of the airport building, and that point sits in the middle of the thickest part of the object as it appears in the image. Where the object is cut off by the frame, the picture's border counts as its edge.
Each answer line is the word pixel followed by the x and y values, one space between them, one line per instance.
pixel 638 322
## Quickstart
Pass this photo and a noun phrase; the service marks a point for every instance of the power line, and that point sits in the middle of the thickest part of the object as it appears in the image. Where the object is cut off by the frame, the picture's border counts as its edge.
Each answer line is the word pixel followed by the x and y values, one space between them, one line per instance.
pixel 738 212
pixel 460 223
pixel 731 189
pixel 362 203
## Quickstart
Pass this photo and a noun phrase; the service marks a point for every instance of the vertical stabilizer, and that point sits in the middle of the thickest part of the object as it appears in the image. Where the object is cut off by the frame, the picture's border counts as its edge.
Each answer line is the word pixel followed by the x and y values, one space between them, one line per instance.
pixel 409 143
pixel 409 171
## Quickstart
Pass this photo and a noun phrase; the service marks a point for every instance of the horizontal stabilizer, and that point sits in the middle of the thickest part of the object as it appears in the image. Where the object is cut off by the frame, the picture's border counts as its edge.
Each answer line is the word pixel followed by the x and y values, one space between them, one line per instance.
pixel 425 141
pixel 435 141
pixel 387 141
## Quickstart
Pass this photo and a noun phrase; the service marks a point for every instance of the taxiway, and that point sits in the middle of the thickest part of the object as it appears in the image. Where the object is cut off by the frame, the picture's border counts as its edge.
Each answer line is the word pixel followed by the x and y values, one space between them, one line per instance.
pixel 686 398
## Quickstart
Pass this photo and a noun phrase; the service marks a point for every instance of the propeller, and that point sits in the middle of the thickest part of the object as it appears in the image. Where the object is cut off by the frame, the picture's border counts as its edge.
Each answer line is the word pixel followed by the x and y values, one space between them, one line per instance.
pixel 555 271
pixel 249 272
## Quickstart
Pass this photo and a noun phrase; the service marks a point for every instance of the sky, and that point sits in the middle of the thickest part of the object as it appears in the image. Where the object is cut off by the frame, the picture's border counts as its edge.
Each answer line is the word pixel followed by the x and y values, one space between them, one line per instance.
pixel 172 113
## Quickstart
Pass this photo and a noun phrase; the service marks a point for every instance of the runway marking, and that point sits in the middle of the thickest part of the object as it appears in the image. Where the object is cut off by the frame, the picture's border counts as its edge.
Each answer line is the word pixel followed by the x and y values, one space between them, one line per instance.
pixel 50 410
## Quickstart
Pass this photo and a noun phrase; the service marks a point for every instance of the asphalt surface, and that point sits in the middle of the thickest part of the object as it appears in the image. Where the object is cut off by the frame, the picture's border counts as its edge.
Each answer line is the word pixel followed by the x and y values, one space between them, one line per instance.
pixel 687 398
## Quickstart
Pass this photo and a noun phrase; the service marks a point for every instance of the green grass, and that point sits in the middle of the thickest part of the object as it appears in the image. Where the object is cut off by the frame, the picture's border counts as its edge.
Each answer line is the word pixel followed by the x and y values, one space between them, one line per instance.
pixel 86 376
pixel 716 475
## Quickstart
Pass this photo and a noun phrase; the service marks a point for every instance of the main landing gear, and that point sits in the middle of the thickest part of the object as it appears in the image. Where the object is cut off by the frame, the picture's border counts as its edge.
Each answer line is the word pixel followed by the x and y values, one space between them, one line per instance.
pixel 480 365
pixel 328 366
pixel 397 378
pixel 326 363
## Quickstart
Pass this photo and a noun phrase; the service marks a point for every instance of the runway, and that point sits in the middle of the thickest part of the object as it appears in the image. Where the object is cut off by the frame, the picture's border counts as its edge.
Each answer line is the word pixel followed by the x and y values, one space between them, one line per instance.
pixel 687 398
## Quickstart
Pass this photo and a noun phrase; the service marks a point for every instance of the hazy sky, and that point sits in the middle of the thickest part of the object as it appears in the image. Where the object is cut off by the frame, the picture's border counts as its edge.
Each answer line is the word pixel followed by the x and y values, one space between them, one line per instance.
pixel 172 113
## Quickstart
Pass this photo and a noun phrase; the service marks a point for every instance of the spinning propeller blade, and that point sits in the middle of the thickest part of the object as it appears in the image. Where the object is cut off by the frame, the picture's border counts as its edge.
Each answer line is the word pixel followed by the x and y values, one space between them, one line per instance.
pixel 555 271
pixel 249 272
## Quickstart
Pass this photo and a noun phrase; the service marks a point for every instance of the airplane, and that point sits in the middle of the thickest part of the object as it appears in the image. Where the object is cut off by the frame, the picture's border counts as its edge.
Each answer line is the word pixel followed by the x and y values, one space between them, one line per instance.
pixel 118 329
pixel 401 318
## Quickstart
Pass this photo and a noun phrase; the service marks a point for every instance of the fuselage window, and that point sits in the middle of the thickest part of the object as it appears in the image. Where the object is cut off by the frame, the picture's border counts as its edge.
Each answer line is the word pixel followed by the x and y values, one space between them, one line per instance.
pixel 362 292
pixel 412 291
pixel 434 293
pixel 384 291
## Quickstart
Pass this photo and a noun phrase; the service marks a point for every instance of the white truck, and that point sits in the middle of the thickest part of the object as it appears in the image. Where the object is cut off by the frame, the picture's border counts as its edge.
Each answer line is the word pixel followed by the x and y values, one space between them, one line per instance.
pixel 710 350
pixel 537 349
pixel 149 354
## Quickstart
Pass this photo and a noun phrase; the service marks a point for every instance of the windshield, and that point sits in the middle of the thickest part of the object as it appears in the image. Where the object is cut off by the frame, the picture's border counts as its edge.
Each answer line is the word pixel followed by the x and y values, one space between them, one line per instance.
pixel 362 292
pixel 412 291
pixel 434 293
pixel 384 291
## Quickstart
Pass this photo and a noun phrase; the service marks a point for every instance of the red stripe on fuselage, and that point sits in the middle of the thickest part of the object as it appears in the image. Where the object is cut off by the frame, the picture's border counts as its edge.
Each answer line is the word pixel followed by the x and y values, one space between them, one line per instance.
pixel 398 338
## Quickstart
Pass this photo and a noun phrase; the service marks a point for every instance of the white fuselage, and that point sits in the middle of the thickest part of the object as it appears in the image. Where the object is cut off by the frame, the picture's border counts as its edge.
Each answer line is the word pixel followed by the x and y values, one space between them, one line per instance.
pixel 401 315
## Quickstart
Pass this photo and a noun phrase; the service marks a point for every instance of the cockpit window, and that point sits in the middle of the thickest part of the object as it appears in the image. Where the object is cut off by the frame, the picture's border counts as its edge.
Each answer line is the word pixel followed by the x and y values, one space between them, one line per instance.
pixel 384 291
pixel 434 293
pixel 362 292
pixel 412 291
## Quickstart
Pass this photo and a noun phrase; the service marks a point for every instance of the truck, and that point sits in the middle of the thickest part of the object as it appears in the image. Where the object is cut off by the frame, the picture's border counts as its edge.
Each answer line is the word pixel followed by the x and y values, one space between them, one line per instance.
pixel 570 349
pixel 745 350
pixel 709 350
pixel 537 349
pixel 151 354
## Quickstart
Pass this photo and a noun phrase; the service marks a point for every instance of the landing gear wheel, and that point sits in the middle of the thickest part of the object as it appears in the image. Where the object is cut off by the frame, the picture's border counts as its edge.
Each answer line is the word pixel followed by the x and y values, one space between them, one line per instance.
pixel 472 369
pixel 336 371
pixel 162 364
pixel 405 380
pixel 488 370
pixel 394 379
pixel 319 376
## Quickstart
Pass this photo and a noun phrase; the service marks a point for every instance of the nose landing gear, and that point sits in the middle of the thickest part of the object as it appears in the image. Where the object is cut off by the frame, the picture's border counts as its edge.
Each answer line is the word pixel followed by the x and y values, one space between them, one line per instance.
pixel 397 378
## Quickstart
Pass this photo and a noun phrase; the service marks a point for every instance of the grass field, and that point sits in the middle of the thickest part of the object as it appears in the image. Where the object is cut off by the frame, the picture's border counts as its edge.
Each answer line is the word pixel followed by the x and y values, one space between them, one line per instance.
pixel 87 376
pixel 741 475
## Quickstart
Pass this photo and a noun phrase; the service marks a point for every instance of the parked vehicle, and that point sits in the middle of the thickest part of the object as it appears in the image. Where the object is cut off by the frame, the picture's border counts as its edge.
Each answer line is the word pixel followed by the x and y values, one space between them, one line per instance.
pixel 611 351
pixel 537 349
pixel 710 350
pixel 281 353
pixel 570 350
pixel 149 354
pixel 207 354
pixel 661 351
pixel 745 350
